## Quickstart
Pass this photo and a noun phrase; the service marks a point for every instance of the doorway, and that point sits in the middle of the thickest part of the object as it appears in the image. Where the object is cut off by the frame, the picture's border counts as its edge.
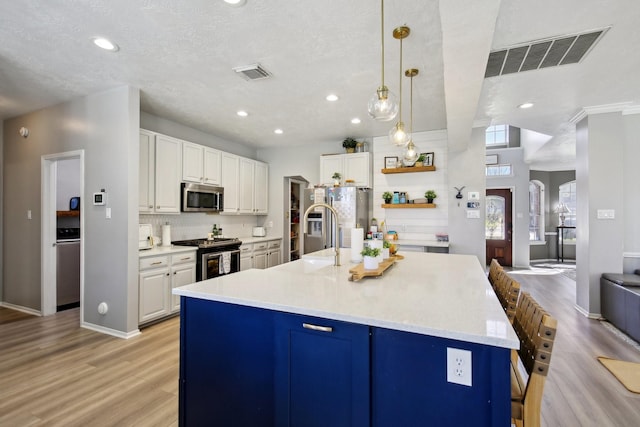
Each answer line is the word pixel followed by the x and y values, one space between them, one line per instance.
pixel 293 210
pixel 499 226
pixel 57 210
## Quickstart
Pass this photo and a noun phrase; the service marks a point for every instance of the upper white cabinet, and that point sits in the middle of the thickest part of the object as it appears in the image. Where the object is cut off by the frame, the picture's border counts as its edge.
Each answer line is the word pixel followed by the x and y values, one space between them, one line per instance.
pixel 200 164
pixel 230 182
pixel 356 167
pixel 160 173
pixel 261 188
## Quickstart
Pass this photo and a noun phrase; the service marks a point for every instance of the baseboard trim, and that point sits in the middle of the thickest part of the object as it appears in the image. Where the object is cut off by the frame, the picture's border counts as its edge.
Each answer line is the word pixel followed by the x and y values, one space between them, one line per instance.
pixel 585 313
pixel 21 308
pixel 109 331
pixel 631 254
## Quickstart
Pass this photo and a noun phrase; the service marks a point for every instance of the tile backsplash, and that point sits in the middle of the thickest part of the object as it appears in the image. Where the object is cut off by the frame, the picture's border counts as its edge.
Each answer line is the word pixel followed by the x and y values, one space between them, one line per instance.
pixel 196 225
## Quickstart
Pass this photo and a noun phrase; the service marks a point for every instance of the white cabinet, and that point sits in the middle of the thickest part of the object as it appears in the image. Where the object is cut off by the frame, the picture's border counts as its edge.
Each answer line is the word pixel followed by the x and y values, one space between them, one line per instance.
pixel 246 184
pixel 274 253
pixel 246 256
pixel 160 173
pixel 260 255
pixel 356 167
pixel 154 288
pixel 157 277
pixel 200 164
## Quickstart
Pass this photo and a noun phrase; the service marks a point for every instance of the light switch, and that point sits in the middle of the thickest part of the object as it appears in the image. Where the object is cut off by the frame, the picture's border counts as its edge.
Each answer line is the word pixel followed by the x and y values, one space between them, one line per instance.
pixel 107 213
pixel 473 214
pixel 606 214
pixel 473 195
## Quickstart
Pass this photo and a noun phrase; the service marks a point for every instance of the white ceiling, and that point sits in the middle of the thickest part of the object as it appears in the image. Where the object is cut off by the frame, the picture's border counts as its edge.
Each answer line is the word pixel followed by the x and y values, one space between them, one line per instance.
pixel 180 53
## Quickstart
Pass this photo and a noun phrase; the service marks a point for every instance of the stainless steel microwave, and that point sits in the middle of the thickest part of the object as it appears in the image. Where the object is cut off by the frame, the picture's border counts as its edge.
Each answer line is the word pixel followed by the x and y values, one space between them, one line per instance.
pixel 201 198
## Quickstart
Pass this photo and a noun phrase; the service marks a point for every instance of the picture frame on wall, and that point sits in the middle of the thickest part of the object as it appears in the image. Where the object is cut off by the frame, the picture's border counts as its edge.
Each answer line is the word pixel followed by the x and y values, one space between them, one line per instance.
pixel 428 158
pixel 390 162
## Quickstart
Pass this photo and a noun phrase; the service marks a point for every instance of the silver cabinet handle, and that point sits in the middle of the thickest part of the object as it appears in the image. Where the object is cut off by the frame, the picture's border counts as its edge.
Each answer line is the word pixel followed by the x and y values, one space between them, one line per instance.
pixel 317 328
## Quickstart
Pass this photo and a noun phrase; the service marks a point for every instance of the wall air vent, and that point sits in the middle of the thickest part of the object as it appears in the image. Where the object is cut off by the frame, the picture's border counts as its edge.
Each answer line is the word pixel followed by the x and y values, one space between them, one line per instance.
pixel 561 50
pixel 252 72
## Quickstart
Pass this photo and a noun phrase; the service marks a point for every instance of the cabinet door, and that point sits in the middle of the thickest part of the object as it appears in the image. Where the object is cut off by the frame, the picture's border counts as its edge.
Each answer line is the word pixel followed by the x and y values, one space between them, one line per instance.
pixel 246 185
pixel 357 167
pixel 192 161
pixel 260 260
pixel 168 174
pixel 322 372
pixel 261 188
pixel 154 294
pixel 211 170
pixel 246 262
pixel 330 165
pixel 181 275
pixel 273 258
pixel 146 198
pixel 230 166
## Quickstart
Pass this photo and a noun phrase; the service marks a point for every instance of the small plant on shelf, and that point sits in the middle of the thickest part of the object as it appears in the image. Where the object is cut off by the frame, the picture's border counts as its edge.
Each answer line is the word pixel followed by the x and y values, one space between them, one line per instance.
pixel 430 195
pixel 337 176
pixel 349 144
pixel 387 196
pixel 372 252
pixel 420 160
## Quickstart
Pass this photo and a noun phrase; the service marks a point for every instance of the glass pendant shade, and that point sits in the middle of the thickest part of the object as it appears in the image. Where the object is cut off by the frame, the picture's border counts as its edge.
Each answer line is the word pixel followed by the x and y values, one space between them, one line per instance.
pixel 398 135
pixel 383 105
pixel 410 154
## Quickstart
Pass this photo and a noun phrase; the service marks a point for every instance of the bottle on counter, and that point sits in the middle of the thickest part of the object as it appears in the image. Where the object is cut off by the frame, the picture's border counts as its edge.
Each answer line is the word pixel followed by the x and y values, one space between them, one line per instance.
pixel 215 230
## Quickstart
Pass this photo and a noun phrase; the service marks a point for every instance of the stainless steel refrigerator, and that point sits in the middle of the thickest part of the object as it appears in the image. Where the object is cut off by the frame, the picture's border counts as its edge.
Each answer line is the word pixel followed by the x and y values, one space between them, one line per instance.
pixel 352 206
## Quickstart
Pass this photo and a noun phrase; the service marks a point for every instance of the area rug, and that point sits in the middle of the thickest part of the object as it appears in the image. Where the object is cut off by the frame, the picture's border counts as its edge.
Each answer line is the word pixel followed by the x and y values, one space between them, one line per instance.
pixel 628 373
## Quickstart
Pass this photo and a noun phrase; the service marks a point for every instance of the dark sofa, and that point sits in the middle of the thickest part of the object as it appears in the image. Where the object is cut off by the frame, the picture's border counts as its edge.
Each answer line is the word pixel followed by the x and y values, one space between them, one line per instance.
pixel 620 301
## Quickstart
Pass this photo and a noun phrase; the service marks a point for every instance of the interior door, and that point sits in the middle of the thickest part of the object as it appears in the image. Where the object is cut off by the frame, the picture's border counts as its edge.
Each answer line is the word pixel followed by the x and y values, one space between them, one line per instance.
pixel 498 226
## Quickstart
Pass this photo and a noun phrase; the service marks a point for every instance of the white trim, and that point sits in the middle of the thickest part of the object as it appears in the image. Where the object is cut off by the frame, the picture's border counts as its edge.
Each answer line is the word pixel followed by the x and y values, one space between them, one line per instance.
pixel 20 308
pixel 109 331
pixel 578 116
pixel 585 313
pixel 537 242
pixel 607 108
pixel 634 109
pixel 550 233
pixel 631 254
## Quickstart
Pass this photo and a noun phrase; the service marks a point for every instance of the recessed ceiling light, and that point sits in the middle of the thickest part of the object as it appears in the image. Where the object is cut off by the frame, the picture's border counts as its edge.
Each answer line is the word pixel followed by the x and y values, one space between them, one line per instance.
pixel 105 44
pixel 235 3
pixel 355 121
pixel 278 131
pixel 332 97
pixel 242 113
pixel 526 105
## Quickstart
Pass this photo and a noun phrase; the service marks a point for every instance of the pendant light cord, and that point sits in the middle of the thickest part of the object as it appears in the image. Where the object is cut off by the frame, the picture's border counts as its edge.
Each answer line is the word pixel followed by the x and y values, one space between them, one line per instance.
pixel 411 109
pixel 400 106
pixel 382 33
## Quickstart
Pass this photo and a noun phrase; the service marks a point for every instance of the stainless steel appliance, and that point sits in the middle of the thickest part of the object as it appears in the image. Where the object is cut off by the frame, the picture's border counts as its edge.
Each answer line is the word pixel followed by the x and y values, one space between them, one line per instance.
pixel 201 198
pixel 352 206
pixel 67 268
pixel 211 255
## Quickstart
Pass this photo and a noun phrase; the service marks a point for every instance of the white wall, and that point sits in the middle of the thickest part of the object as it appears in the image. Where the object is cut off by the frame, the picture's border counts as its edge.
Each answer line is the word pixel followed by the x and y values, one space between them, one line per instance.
pixel 67 182
pixel 631 192
pixel 412 224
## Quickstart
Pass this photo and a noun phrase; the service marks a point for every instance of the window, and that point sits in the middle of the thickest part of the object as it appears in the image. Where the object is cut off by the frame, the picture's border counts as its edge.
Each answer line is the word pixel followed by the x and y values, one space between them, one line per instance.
pixel 498 170
pixel 567 196
pixel 536 211
pixel 494 218
pixel 497 135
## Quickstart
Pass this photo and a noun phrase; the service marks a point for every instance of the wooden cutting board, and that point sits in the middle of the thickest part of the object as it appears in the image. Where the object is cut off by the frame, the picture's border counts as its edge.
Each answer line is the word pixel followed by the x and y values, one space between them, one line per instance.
pixel 358 272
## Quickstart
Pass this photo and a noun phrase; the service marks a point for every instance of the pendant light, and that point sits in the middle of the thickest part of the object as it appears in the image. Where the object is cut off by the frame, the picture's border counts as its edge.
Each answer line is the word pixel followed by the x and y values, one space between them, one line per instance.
pixel 383 106
pixel 398 134
pixel 411 153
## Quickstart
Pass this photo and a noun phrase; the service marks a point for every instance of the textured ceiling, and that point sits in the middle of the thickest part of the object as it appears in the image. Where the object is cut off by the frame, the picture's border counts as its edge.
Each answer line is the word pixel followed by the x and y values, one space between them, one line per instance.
pixel 181 54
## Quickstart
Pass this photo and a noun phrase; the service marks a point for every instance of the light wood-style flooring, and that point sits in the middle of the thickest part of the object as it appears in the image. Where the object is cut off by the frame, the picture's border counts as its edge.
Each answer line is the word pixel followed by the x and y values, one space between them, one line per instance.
pixel 54 373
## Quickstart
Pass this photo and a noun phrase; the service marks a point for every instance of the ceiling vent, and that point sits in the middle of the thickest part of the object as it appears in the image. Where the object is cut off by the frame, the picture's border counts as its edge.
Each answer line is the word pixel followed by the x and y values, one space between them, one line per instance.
pixel 252 72
pixel 562 50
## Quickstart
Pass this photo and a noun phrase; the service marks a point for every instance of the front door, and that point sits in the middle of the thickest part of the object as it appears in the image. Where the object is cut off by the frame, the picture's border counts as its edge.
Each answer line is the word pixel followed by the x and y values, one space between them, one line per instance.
pixel 498 226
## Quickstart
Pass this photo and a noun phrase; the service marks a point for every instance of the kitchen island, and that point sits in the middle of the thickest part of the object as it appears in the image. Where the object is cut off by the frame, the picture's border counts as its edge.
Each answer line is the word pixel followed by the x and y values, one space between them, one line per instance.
pixel 299 344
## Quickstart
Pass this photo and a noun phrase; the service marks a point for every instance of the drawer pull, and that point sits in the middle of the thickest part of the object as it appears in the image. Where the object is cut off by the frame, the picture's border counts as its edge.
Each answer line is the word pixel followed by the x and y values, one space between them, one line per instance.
pixel 317 328
pixel 156 263
pixel 185 259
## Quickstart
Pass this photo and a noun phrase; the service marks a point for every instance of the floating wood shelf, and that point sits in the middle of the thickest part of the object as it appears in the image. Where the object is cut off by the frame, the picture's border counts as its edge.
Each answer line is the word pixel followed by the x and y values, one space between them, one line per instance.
pixel 409 206
pixel 67 213
pixel 410 169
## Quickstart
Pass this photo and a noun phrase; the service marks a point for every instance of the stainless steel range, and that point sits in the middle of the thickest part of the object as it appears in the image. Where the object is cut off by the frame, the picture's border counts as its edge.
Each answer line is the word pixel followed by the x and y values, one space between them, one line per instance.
pixel 215 257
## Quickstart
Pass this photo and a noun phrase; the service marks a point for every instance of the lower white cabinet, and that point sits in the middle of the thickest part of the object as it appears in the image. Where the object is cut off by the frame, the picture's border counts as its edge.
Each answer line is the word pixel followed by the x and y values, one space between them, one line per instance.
pixel 260 255
pixel 158 276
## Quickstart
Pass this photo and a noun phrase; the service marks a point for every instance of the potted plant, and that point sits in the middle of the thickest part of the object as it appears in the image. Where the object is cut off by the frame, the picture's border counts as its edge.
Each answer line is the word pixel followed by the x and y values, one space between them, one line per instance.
pixel 420 160
pixel 369 254
pixel 430 195
pixel 387 196
pixel 336 179
pixel 386 246
pixel 349 144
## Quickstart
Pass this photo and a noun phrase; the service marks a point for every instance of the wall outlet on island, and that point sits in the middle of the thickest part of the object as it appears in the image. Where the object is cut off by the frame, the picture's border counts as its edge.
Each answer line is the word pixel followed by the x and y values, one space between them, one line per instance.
pixel 459 366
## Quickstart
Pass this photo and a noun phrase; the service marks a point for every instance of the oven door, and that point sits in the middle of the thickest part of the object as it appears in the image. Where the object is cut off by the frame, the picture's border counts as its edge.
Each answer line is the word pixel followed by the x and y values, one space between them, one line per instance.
pixel 213 264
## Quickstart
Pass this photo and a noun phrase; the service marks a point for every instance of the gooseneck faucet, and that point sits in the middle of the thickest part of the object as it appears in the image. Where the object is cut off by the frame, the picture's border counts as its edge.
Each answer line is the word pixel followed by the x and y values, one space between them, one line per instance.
pixel 336 261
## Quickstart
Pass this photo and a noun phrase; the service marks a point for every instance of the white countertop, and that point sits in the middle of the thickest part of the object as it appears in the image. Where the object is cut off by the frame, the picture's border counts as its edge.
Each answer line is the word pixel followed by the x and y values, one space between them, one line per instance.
pixel 411 242
pixel 166 250
pixel 251 239
pixel 443 295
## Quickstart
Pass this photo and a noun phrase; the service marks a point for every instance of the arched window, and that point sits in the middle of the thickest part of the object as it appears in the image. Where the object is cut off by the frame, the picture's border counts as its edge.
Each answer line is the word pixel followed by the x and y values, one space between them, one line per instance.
pixel 536 211
pixel 567 197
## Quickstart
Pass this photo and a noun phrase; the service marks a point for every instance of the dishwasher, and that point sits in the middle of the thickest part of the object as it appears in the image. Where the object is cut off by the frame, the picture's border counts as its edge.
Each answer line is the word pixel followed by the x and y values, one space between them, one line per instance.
pixel 67 273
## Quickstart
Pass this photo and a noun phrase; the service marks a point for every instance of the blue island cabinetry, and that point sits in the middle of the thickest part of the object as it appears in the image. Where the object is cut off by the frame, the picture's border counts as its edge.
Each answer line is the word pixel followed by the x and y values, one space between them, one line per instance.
pixel 247 366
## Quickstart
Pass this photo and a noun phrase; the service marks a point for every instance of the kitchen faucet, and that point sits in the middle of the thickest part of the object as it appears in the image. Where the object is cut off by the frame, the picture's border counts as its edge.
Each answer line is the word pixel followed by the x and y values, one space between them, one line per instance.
pixel 336 260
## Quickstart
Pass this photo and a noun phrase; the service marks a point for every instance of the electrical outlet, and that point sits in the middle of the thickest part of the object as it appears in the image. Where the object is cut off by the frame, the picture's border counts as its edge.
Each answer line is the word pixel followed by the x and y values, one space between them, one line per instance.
pixel 459 366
